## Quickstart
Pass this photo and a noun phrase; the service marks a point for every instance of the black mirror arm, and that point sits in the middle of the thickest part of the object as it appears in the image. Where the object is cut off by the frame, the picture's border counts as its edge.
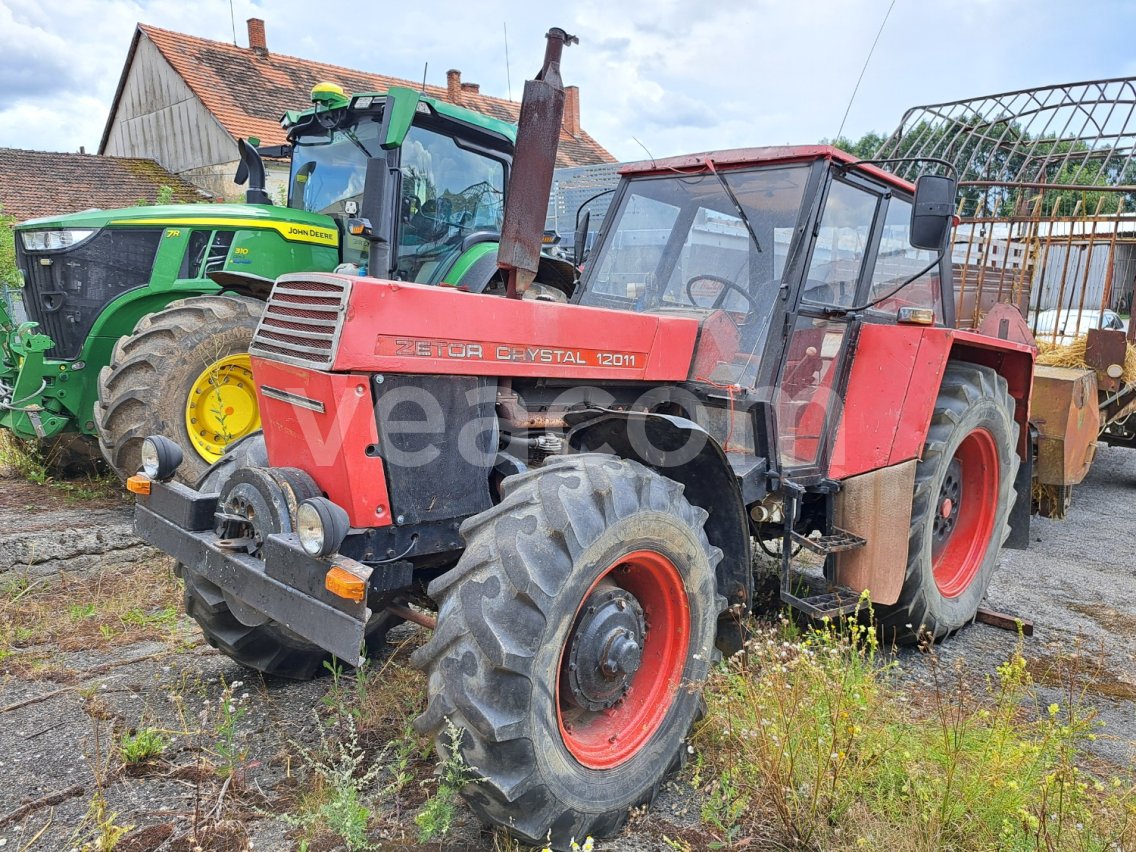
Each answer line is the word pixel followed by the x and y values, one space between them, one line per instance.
pixel 855 309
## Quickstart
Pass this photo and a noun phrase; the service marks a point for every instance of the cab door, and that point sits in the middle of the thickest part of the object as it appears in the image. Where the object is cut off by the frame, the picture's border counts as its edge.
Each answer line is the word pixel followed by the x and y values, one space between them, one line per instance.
pixel 820 328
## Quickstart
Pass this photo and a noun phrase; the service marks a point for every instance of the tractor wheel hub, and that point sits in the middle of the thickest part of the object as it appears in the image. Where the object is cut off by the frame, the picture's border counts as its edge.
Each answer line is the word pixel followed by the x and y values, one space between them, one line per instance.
pixel 606 648
pixel 946 516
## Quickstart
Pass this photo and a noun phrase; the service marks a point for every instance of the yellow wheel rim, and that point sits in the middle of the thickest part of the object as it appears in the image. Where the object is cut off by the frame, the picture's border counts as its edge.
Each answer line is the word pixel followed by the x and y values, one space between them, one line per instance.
pixel 222 406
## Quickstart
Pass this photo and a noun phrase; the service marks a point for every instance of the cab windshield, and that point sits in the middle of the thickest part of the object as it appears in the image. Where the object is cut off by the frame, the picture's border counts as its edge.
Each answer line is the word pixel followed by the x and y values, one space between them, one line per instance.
pixel 329 168
pixel 677 243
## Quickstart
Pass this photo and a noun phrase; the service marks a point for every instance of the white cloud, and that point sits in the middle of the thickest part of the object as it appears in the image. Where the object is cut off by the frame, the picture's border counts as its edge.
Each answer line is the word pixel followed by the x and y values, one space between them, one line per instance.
pixel 679 76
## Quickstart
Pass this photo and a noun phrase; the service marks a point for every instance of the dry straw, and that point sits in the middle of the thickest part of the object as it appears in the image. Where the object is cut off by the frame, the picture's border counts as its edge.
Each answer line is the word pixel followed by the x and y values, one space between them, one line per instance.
pixel 1073 355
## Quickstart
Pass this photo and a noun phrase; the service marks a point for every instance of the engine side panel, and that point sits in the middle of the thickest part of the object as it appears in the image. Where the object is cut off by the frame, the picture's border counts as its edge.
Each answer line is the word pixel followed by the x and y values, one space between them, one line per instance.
pixel 438 442
pixel 392 327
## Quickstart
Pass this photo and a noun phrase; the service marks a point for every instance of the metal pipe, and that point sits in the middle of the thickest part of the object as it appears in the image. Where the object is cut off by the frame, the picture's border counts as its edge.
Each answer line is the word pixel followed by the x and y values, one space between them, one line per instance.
pixel 413 615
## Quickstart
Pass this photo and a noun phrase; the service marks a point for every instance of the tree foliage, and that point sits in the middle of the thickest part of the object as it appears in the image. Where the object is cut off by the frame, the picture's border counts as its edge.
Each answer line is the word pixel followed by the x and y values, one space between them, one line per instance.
pixel 865 147
pixel 9 274
pixel 1001 156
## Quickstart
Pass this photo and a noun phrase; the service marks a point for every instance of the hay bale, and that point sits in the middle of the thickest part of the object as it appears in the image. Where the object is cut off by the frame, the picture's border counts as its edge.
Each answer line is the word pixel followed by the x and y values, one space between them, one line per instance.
pixel 1073 355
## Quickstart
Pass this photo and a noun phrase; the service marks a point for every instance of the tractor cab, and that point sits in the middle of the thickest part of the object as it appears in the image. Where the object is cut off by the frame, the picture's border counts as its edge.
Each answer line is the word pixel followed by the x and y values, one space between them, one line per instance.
pixel 778 252
pixel 439 185
pixel 752 242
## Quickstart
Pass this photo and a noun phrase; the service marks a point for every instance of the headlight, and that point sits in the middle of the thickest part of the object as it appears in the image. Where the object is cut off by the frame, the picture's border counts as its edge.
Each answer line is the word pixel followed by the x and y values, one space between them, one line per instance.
pixel 321 526
pixel 53 240
pixel 161 457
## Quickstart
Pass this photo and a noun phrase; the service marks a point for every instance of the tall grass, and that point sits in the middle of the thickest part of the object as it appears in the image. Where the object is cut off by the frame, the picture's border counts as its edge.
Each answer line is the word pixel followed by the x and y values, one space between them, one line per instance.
pixel 818 740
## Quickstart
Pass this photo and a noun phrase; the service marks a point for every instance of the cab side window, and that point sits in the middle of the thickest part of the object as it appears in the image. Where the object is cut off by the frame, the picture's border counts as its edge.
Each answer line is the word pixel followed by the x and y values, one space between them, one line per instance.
pixel 194 254
pixel 448 192
pixel 898 260
pixel 841 245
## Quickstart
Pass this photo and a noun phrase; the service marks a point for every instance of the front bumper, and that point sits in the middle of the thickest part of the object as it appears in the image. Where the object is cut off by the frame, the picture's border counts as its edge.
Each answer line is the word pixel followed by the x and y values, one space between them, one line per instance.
pixel 286 586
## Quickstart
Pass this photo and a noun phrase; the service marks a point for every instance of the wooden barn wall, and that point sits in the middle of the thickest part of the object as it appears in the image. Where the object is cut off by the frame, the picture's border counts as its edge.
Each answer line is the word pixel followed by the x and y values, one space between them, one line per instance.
pixel 158 116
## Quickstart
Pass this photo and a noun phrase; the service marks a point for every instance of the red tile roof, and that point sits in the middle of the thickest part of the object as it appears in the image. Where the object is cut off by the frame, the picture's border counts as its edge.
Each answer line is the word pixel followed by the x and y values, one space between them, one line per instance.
pixel 248 91
pixel 45 183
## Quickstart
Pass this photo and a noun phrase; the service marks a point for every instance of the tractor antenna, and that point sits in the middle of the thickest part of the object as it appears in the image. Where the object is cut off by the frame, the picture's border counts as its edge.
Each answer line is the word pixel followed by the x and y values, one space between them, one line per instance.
pixel 644 147
pixel 233 21
pixel 868 59
pixel 508 71
pixel 425 66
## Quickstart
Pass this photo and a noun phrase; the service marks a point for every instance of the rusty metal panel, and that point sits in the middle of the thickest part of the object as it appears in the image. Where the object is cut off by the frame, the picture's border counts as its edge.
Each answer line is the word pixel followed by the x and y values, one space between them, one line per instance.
pixel 876 506
pixel 1006 322
pixel 1105 351
pixel 1064 410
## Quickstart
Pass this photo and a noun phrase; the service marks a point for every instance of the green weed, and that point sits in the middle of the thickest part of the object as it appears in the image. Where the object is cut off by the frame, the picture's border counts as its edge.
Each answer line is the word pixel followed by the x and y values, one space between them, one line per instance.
pixel 105 833
pixel 822 737
pixel 230 710
pixel 141 745
pixel 79 612
pixel 23 459
pixel 436 817
pixel 166 616
pixel 335 802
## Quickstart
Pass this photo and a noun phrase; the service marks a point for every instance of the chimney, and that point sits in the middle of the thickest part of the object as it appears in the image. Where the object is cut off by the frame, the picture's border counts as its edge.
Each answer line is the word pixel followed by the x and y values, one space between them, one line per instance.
pixel 571 121
pixel 257 44
pixel 472 88
pixel 454 86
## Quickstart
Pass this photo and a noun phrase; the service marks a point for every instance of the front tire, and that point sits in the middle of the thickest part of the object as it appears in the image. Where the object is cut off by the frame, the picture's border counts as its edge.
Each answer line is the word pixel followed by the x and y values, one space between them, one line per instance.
pixel 964 490
pixel 183 367
pixel 573 636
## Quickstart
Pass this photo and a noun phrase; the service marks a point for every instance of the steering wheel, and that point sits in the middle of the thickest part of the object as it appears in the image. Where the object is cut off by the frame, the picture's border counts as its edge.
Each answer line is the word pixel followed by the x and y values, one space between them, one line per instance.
pixel 727 285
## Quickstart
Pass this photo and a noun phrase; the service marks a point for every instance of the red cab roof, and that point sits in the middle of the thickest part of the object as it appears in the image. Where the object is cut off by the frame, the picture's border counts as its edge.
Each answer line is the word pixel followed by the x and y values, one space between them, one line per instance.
pixel 740 157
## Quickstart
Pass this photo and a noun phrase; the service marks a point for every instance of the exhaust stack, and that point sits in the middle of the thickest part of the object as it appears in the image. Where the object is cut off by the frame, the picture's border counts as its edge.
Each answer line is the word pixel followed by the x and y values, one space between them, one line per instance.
pixel 251 169
pixel 538 135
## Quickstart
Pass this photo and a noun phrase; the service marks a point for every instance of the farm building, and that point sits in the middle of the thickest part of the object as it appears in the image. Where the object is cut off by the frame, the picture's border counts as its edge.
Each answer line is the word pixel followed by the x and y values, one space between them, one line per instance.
pixel 184 101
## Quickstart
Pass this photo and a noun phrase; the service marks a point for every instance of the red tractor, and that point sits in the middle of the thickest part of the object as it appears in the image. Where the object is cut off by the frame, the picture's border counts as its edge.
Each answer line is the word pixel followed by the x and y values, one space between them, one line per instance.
pixel 760 350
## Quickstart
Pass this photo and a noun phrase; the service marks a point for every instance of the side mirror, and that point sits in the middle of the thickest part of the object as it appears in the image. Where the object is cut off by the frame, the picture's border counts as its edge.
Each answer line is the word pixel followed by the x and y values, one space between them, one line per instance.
pixel 579 250
pixel 932 211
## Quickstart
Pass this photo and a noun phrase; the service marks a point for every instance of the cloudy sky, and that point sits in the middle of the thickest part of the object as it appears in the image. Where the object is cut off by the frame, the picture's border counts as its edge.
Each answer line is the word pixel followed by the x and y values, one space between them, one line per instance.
pixel 678 76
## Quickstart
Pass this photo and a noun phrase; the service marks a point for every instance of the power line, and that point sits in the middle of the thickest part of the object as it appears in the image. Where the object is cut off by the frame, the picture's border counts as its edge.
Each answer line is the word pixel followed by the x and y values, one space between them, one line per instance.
pixel 508 73
pixel 856 88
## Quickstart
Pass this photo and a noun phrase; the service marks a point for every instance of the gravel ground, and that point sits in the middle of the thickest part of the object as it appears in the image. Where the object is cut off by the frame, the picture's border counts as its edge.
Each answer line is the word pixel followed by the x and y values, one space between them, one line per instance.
pixel 1077 584
pixel 59 731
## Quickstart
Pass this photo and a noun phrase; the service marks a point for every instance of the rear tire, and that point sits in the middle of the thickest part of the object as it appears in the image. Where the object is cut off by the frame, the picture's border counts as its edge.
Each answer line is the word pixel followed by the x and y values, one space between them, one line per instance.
pixel 964 490
pixel 145 388
pixel 580 558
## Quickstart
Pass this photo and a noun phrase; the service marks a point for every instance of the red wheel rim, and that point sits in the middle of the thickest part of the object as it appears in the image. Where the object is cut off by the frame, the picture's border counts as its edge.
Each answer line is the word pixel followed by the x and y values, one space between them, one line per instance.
pixel 606 738
pixel 970 510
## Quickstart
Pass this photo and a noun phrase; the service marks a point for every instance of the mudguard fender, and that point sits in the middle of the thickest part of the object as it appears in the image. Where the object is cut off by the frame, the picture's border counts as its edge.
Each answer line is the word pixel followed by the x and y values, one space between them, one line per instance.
pixel 681 450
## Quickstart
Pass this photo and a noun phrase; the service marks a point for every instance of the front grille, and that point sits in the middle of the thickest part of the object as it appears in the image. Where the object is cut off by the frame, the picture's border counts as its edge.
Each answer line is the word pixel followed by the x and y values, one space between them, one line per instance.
pixel 66 290
pixel 302 320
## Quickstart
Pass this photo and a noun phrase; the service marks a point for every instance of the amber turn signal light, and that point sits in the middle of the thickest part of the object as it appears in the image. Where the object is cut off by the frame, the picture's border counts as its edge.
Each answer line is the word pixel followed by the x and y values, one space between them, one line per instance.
pixel 342 583
pixel 916 316
pixel 138 484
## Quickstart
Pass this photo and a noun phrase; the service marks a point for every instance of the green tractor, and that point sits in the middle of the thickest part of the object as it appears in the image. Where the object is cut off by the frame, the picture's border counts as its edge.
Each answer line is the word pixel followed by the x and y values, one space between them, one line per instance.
pixel 139 319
